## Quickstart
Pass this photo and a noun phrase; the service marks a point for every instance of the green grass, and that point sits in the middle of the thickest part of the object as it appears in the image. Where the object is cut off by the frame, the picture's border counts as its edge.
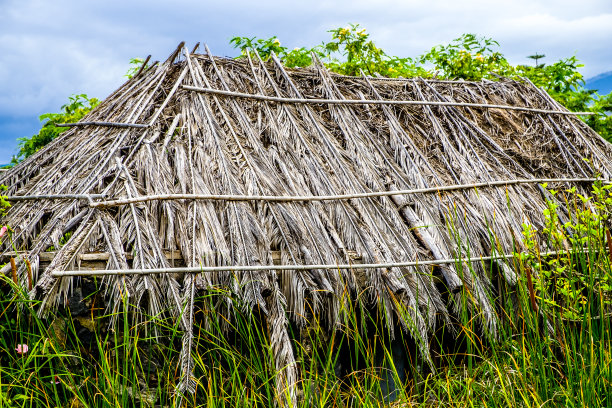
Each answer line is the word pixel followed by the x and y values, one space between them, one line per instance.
pixel 558 353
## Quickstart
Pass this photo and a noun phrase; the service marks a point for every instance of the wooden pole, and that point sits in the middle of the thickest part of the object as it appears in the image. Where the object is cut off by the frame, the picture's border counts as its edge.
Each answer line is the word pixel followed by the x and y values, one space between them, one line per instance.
pixel 108 124
pixel 373 101
pixel 230 197
pixel 243 268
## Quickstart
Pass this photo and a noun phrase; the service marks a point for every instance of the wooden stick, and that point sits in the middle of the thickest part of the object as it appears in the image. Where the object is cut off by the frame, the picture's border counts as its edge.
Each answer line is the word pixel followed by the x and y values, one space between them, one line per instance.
pixel 176 52
pixel 372 101
pixel 159 110
pixel 142 67
pixel 229 197
pixel 54 197
pixel 109 124
pixel 243 268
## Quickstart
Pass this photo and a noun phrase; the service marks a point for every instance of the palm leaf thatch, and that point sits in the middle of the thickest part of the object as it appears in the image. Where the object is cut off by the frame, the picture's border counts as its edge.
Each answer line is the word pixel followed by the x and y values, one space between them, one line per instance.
pixel 191 142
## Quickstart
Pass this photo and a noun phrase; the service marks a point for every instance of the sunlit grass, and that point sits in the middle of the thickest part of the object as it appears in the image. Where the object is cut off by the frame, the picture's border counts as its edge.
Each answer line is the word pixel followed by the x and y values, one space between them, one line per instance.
pixel 558 353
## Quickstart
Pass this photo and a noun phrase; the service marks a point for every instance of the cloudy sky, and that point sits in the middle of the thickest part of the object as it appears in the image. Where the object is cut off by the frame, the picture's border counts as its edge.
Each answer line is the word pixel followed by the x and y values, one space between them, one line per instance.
pixel 50 50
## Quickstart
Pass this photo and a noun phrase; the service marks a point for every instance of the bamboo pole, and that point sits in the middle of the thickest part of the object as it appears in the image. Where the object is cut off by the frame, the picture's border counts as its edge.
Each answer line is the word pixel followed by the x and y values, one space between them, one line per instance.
pixel 231 197
pixel 372 101
pixel 108 124
pixel 54 197
pixel 243 268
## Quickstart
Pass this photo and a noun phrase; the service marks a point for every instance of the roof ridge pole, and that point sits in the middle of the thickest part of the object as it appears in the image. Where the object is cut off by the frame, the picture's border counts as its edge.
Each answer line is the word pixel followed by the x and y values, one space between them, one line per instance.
pixel 318 101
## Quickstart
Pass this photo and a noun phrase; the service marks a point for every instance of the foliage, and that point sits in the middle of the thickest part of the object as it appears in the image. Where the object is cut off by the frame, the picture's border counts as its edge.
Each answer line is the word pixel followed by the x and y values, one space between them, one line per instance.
pixel 4 204
pixel 469 57
pixel 567 281
pixel 297 57
pixel 349 52
pixel 77 107
pixel 601 122
pixel 135 65
pixel 359 53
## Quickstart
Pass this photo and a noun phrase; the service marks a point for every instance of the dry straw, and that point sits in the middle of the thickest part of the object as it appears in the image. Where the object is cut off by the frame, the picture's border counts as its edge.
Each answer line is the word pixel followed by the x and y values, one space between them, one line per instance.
pixel 189 143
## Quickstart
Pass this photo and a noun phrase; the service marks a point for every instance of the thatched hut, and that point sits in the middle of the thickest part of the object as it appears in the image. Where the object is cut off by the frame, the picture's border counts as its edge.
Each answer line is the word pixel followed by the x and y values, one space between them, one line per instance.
pixel 272 182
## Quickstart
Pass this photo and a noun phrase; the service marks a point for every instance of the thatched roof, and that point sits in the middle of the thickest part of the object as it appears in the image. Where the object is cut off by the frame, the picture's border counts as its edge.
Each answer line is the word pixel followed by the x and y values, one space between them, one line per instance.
pixel 202 142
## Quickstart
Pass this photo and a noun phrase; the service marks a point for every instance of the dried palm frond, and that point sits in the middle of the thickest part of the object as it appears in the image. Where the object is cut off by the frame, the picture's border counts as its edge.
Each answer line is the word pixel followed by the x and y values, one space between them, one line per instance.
pixel 205 143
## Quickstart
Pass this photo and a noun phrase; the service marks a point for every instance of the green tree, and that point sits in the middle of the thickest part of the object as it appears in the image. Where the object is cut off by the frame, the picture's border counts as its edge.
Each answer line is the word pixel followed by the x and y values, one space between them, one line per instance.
pixel 469 57
pixel 349 52
pixel 77 107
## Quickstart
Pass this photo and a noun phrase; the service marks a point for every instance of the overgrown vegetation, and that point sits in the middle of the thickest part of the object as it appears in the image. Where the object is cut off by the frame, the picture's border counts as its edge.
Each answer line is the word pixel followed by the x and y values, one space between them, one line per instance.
pixel 77 107
pixel 553 347
pixel 469 57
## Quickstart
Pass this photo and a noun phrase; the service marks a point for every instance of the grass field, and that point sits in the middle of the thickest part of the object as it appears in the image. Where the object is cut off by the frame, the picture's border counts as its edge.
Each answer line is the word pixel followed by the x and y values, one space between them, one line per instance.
pixel 553 346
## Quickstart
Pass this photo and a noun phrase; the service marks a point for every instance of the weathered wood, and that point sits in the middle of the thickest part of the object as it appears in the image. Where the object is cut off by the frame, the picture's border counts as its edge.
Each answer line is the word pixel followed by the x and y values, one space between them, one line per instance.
pixel 142 67
pixel 54 197
pixel 282 267
pixel 107 124
pixel 231 197
pixel 318 101
pixel 98 260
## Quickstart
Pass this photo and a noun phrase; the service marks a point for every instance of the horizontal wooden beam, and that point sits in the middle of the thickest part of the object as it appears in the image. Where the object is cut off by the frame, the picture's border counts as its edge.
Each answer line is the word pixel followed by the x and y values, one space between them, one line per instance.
pixel 334 197
pixel 90 257
pixel 171 255
pixel 106 124
pixel 88 197
pixel 317 101
pixel 296 267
